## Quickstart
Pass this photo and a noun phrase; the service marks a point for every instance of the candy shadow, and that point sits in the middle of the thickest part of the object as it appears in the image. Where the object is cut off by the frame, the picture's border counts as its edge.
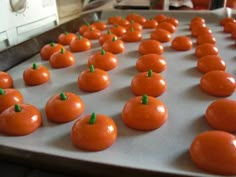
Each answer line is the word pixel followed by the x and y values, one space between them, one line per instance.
pixel 196 93
pixel 193 71
pixel 123 130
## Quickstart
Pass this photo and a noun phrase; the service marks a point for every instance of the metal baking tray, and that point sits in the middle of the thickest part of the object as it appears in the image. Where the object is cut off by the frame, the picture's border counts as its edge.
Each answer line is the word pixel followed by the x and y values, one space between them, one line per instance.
pixel 164 151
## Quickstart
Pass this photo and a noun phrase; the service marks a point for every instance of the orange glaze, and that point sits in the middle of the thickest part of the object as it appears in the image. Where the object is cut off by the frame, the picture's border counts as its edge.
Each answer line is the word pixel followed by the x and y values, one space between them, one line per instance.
pixel 6 80
pixel 9 97
pixel 218 83
pixel 144 113
pixel 36 75
pixel 19 120
pixel 64 107
pixel 150 83
pixel 94 132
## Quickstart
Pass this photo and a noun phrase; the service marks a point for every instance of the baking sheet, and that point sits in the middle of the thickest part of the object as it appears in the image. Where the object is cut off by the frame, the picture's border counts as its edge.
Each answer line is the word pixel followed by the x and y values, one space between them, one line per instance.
pixel 161 150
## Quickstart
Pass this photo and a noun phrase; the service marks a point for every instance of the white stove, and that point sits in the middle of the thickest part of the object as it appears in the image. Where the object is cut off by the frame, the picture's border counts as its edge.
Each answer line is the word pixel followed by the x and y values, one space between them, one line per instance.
pixel 23 19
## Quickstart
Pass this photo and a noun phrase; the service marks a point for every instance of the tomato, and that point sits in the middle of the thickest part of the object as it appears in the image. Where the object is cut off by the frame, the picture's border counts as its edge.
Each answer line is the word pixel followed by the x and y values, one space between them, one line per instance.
pixel 206 49
pixel 160 18
pixel 123 22
pixel 221 115
pixel 114 19
pixel 103 60
pixel 218 83
pixel 36 75
pixel 150 23
pixel 215 152
pixel 167 26
pixel 106 37
pixel 231 4
pixel 233 34
pixel 118 30
pixel 151 61
pixel 66 38
pixel 20 119
pixel 181 43
pixel 227 20
pixel 114 46
pixel 150 46
pixel 93 80
pixel 94 132
pixel 210 63
pixel 172 20
pixel 99 25
pixel 200 31
pixel 229 27
pixel 206 38
pixel 9 97
pixel 6 80
pixel 80 44
pixel 134 25
pixel 150 83
pixel 132 35
pixel 144 113
pixel 64 107
pixel 62 59
pixel 161 35
pixel 49 49
pixel 84 28
pixel 92 33
pixel 198 19
pixel 195 25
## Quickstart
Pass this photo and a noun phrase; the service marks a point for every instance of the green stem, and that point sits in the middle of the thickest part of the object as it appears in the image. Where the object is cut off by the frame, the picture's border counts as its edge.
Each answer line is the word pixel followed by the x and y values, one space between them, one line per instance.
pixel 34 66
pixel 17 108
pixel 109 32
pixel 63 96
pixel 103 52
pixel 114 39
pixel 80 37
pixel 150 73
pixel 52 44
pixel 62 50
pixel 66 33
pixel 92 119
pixel 2 92
pixel 145 99
pixel 91 68
pixel 87 23
pixel 132 29
pixel 91 28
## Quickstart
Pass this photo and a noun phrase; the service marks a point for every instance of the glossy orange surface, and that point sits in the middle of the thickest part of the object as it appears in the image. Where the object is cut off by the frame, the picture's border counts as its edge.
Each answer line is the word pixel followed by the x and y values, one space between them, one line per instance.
pixel 215 152
pixel 182 43
pixel 36 75
pixel 152 85
pixel 221 115
pixel 95 136
pixel 21 123
pixel 6 80
pixel 103 60
pixel 49 49
pixel 150 46
pixel 210 63
pixel 62 59
pixel 144 115
pixel 93 80
pixel 155 62
pixel 80 44
pixel 9 97
pixel 218 83
pixel 64 107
